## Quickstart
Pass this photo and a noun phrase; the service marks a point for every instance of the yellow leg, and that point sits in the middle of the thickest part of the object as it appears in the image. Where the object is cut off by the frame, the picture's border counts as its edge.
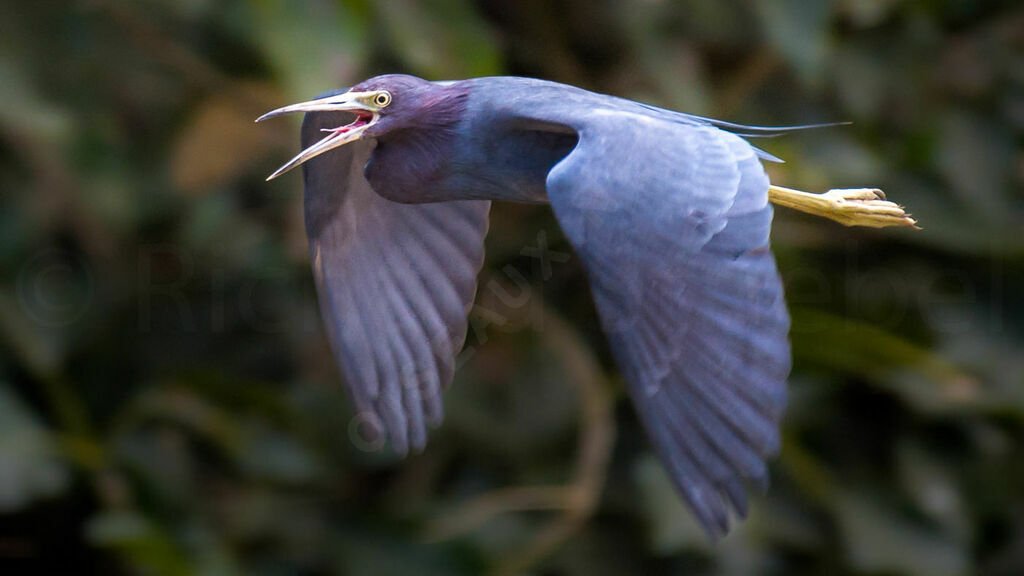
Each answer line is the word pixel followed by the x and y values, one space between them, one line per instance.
pixel 848 206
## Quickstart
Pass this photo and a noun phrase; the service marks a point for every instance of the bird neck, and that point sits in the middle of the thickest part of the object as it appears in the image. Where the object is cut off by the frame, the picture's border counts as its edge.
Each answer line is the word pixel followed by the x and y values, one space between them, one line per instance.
pixel 468 148
pixel 407 160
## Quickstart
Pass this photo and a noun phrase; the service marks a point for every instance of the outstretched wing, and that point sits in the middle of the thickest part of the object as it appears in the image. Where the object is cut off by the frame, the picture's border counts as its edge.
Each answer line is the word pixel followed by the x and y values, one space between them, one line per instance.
pixel 395 282
pixel 672 223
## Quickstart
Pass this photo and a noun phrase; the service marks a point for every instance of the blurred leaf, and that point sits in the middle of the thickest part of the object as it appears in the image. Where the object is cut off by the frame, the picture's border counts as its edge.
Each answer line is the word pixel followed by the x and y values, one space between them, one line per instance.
pixel 25 109
pixel 719 23
pixel 876 538
pixel 672 526
pixel 674 66
pixel 440 39
pixel 862 77
pixel 313 46
pixel 933 487
pixel 182 407
pixel 30 463
pixel 163 462
pixel 975 157
pixel 150 547
pixel 874 353
pixel 808 473
pixel 949 226
pixel 274 456
pixel 295 520
pixel 186 8
pixel 988 353
pixel 821 170
pixel 140 540
pixel 38 351
pixel 866 13
pixel 788 520
pixel 369 553
pixel 220 142
pixel 520 402
pixel 798 30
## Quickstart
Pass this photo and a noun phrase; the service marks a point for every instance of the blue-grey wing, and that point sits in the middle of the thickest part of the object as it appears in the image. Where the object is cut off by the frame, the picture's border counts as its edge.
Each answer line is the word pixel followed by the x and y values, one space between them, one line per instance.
pixel 395 283
pixel 672 223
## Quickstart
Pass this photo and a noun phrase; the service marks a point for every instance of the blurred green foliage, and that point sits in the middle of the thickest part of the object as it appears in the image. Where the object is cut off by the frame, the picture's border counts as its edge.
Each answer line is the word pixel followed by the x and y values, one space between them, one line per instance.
pixel 168 404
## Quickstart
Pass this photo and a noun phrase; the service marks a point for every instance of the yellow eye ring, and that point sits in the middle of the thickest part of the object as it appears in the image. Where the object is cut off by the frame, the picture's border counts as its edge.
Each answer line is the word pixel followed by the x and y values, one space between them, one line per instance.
pixel 382 98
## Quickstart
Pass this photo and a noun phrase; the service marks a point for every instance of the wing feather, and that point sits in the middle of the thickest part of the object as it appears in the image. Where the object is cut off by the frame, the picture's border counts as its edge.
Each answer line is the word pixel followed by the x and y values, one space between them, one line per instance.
pixel 672 222
pixel 395 283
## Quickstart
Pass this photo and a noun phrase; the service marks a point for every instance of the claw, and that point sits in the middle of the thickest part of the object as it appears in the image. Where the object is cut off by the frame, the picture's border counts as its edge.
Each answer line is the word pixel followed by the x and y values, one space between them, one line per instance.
pixel 866 207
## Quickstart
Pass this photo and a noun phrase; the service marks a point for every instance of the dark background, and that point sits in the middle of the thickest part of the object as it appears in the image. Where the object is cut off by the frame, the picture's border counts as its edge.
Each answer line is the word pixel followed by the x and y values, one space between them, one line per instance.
pixel 168 403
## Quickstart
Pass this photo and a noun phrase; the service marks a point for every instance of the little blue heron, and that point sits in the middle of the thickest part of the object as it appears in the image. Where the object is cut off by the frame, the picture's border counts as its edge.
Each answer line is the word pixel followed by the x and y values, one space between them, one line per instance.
pixel 669 212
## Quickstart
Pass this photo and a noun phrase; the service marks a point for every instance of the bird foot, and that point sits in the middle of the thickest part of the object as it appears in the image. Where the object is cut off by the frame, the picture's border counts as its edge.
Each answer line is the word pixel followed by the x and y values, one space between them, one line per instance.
pixel 866 207
pixel 848 206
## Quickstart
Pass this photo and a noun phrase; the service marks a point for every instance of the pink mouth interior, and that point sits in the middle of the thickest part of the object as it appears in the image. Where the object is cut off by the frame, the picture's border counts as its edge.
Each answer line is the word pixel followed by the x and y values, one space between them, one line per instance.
pixel 362 119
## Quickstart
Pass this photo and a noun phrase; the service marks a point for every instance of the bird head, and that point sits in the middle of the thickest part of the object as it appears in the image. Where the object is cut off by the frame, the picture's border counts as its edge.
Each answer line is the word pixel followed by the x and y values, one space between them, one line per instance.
pixel 381 106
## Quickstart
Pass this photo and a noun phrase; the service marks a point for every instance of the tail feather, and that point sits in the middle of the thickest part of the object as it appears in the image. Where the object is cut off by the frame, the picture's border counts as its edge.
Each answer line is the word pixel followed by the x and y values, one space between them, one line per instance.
pixel 747 131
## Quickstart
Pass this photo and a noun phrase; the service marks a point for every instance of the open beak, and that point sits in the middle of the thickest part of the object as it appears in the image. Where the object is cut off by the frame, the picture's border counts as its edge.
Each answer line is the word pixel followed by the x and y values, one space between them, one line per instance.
pixel 358 103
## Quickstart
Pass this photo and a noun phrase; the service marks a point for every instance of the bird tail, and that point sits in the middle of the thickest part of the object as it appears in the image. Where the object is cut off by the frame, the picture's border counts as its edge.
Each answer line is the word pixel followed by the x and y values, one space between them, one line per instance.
pixel 746 131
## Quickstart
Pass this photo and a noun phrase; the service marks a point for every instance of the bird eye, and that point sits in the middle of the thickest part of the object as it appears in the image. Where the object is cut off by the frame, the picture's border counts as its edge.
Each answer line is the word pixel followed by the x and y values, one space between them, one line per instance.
pixel 382 99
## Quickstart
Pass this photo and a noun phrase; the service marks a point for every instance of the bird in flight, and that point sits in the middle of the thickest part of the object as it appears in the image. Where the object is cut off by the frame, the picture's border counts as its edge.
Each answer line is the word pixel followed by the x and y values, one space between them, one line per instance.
pixel 669 212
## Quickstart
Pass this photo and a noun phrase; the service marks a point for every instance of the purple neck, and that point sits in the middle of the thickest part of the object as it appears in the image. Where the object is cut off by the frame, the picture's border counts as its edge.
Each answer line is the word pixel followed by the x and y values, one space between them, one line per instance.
pixel 416 147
